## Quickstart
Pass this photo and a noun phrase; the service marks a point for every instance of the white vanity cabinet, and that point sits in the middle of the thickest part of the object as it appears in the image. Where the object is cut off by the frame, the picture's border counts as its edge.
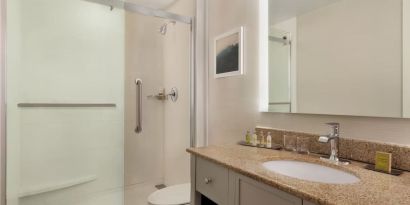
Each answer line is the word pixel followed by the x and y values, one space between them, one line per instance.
pixel 226 187
pixel 212 181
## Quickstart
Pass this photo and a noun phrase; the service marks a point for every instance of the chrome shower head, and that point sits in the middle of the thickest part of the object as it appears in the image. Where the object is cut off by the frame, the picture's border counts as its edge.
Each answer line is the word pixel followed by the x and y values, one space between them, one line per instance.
pixel 164 28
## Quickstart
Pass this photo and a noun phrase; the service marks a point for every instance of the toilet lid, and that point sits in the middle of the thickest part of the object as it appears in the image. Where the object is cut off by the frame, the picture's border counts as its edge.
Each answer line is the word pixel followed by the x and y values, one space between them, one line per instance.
pixel 172 195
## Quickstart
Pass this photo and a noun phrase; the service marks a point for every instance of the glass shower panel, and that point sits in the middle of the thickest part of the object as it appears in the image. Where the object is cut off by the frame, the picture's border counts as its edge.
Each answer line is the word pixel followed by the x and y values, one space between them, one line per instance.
pixel 156 156
pixel 65 102
pixel 161 60
pixel 143 151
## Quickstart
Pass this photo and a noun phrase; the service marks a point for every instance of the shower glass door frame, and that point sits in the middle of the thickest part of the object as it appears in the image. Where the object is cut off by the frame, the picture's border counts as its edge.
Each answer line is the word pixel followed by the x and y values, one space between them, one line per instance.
pixel 131 7
pixel 146 11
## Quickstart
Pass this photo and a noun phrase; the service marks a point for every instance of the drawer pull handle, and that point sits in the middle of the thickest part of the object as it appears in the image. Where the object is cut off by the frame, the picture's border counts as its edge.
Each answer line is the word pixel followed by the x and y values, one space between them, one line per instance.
pixel 207 180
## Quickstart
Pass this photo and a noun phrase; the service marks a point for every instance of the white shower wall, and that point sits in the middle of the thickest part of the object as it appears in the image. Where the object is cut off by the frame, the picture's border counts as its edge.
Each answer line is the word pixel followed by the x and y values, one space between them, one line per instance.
pixel 144 60
pixel 176 74
pixel 157 155
pixel 64 52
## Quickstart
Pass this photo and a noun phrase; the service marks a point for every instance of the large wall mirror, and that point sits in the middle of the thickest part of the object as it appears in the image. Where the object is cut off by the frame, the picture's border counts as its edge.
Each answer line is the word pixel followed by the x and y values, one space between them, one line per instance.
pixel 339 57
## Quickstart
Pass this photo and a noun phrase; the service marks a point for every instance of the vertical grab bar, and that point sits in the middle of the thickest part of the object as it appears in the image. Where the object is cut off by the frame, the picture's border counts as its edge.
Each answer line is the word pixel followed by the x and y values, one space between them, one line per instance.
pixel 138 128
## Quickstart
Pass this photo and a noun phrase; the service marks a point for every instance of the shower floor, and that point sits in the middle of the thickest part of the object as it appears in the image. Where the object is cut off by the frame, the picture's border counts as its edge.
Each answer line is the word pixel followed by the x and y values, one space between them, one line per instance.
pixel 138 194
pixel 131 195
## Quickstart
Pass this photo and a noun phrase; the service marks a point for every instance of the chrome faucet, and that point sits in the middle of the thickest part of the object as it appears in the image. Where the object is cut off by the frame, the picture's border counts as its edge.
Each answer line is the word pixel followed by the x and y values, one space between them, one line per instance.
pixel 333 138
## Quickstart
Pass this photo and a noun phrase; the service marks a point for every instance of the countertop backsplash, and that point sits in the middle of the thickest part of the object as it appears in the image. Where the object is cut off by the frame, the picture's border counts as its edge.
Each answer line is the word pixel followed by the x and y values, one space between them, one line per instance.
pixel 353 149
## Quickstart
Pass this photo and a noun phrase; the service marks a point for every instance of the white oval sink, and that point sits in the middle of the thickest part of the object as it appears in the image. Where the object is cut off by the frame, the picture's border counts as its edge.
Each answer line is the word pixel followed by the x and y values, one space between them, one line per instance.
pixel 310 172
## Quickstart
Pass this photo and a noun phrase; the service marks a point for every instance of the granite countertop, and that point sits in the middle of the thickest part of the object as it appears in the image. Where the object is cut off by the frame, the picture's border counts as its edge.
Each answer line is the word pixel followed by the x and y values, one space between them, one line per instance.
pixel 373 188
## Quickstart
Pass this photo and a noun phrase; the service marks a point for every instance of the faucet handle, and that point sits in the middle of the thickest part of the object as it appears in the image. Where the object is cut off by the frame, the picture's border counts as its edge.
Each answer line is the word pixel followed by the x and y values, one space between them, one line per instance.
pixel 324 139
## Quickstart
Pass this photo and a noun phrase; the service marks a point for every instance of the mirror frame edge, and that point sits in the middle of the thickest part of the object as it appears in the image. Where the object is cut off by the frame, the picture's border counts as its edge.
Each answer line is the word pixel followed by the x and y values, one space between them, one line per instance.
pixel 263 56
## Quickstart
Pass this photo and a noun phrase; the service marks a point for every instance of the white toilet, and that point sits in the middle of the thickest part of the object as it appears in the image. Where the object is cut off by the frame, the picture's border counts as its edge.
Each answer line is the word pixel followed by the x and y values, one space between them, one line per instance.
pixel 173 195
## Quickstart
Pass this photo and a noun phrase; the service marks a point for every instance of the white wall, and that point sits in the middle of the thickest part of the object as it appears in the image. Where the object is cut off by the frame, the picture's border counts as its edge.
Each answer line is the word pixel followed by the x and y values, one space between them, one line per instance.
pixel 2 106
pixel 157 155
pixel 144 152
pixel 233 102
pixel 176 116
pixel 350 59
pixel 201 63
pixel 65 51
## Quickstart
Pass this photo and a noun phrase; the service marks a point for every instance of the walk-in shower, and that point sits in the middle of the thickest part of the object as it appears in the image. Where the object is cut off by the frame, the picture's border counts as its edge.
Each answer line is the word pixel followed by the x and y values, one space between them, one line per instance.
pixel 100 100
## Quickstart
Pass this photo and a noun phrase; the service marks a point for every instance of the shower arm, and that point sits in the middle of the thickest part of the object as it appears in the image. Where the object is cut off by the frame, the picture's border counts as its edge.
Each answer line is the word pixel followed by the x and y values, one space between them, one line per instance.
pixel 137 8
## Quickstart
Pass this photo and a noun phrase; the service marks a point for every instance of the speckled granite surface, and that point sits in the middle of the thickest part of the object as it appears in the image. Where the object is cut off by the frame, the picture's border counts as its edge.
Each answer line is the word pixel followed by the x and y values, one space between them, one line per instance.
pixel 374 188
pixel 358 150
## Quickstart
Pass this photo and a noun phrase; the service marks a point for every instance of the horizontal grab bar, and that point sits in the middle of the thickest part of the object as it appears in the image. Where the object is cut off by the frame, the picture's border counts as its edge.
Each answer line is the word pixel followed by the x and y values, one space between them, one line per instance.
pixel 74 105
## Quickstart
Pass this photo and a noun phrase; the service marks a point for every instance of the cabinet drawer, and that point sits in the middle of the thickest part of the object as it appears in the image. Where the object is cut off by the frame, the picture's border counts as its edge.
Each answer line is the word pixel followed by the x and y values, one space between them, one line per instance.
pixel 251 192
pixel 212 180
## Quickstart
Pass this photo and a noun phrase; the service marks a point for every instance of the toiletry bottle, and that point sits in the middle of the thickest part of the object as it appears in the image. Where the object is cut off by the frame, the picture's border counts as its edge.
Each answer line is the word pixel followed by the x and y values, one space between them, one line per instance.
pixel 269 141
pixel 254 139
pixel 258 138
pixel 248 137
pixel 262 139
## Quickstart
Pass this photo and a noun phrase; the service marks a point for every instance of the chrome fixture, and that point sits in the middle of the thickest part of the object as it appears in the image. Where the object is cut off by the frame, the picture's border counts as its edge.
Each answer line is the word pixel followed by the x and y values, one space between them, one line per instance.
pixel 138 128
pixel 164 28
pixel 284 39
pixel 161 95
pixel 333 138
pixel 173 94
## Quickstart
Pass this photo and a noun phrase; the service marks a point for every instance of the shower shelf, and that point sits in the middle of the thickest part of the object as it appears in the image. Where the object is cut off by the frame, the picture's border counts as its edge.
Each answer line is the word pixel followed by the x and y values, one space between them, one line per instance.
pixel 58 186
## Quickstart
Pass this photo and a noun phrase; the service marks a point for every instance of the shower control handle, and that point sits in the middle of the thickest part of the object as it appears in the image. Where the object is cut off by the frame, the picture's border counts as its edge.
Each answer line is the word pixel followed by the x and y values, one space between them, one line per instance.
pixel 138 128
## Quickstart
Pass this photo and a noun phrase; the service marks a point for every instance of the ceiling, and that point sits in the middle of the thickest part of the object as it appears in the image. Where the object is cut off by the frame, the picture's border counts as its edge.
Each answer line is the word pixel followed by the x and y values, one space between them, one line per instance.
pixel 159 4
pixel 280 10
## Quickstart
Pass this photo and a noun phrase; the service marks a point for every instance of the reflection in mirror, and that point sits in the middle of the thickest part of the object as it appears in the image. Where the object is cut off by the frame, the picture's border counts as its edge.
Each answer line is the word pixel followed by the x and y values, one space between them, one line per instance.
pixel 279 77
pixel 339 57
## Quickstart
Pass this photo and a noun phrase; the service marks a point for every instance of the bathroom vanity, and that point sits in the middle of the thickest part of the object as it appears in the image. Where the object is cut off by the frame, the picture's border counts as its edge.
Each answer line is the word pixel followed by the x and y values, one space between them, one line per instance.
pixel 225 186
pixel 234 175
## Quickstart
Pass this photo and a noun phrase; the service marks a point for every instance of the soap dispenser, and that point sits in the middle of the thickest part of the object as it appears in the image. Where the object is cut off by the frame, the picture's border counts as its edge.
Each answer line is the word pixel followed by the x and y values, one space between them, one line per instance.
pixel 262 141
pixel 248 137
pixel 269 141
pixel 254 139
